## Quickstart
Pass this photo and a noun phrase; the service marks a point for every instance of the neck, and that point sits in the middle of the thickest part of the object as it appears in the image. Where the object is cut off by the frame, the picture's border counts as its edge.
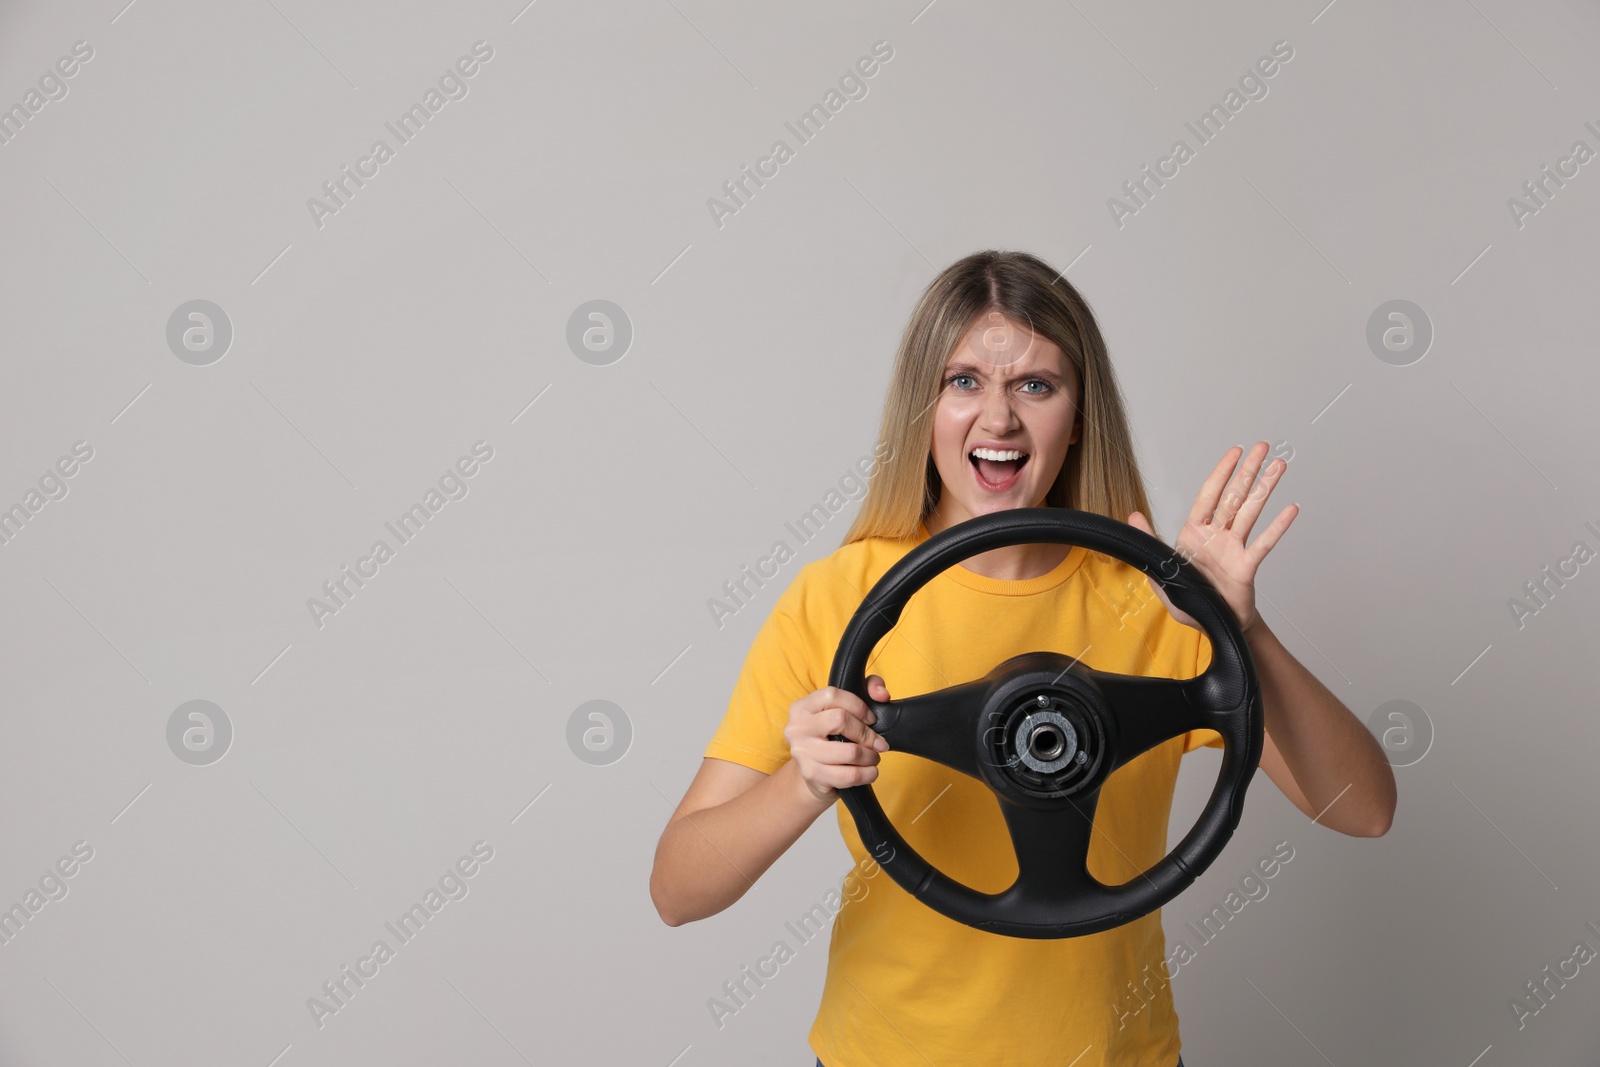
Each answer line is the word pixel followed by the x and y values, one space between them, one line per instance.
pixel 1011 563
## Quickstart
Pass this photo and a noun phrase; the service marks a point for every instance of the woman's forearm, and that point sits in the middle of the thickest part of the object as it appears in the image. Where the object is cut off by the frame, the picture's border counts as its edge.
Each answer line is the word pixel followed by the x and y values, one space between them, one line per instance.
pixel 1331 754
pixel 707 859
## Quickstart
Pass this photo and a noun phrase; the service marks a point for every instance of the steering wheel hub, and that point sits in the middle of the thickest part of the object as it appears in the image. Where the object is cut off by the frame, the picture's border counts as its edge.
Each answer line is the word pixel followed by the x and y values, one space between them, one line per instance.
pixel 1046 744
pixel 1046 741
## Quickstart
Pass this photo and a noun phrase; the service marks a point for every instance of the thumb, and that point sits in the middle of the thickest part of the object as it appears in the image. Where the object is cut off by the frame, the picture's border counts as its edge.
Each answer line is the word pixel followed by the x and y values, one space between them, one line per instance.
pixel 1137 521
pixel 876 688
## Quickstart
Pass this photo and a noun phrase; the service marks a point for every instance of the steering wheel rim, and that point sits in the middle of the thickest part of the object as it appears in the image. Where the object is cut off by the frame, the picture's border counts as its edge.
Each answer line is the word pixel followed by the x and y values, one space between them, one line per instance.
pixel 1044 731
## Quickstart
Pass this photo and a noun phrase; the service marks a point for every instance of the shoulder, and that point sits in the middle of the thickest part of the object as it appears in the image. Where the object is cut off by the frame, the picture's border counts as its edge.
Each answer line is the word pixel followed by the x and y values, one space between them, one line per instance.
pixel 835 585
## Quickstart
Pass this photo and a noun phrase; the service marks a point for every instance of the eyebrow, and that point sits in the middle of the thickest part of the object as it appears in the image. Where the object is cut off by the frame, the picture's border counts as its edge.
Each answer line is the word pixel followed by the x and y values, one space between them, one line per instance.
pixel 971 368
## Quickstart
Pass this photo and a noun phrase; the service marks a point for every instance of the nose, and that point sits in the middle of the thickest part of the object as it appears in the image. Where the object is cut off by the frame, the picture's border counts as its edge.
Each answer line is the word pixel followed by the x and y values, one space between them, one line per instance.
pixel 997 416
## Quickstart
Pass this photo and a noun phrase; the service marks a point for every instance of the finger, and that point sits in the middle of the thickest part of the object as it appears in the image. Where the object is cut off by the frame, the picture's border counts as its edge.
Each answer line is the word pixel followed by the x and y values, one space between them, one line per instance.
pixel 1159 591
pixel 835 721
pixel 1257 500
pixel 846 702
pixel 877 688
pixel 1139 522
pixel 835 754
pixel 1205 502
pixel 1269 537
pixel 1238 492
pixel 848 778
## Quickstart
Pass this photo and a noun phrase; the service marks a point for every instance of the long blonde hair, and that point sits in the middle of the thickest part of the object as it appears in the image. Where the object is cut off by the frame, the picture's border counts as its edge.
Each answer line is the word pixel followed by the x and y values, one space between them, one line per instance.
pixel 1100 473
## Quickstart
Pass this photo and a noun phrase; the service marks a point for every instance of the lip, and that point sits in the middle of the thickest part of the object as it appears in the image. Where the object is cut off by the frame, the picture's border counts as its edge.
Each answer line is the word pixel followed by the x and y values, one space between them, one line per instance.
pixel 1001 487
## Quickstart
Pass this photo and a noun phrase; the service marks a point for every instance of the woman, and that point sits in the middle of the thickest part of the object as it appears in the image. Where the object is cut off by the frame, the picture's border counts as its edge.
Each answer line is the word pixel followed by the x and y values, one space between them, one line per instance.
pixel 1002 396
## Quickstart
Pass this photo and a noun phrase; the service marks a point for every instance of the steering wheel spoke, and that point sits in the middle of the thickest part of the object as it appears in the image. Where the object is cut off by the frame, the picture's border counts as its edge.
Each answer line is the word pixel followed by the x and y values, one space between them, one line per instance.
pixel 1148 711
pixel 1052 846
pixel 941 726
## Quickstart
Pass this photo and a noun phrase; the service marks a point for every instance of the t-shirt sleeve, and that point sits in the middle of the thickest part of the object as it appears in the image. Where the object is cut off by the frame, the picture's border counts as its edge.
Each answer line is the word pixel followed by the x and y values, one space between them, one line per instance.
pixel 1201 738
pixel 776 673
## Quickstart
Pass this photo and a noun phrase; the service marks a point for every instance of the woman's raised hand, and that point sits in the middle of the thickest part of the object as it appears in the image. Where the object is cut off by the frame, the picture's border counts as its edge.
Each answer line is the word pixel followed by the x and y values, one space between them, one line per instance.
pixel 1213 536
pixel 827 766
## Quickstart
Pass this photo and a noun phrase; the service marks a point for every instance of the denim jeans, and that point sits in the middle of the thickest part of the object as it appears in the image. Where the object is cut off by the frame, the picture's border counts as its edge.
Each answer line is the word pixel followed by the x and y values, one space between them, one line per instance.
pixel 1180 1062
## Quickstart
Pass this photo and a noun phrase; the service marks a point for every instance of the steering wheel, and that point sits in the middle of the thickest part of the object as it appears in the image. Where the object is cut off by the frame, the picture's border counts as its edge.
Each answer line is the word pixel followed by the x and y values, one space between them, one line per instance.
pixel 1044 730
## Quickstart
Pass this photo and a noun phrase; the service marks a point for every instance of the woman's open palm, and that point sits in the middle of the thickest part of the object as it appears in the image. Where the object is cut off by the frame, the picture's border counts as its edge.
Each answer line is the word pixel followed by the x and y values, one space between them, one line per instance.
pixel 1214 534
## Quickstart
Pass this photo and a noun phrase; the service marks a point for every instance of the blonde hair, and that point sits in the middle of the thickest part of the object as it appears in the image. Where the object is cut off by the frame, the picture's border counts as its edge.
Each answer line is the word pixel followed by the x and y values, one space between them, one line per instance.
pixel 1100 473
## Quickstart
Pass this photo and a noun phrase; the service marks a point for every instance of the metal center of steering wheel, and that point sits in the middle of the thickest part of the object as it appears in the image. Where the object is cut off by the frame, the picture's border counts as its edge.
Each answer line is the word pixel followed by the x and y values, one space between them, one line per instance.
pixel 1047 744
pixel 1044 730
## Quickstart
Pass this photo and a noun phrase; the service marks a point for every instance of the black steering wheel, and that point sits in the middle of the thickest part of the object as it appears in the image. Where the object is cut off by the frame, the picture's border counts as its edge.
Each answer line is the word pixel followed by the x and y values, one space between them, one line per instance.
pixel 1044 731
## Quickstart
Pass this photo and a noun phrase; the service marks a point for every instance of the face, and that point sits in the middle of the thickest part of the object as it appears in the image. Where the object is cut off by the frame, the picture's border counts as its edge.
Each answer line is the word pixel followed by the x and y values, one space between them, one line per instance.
pixel 1008 389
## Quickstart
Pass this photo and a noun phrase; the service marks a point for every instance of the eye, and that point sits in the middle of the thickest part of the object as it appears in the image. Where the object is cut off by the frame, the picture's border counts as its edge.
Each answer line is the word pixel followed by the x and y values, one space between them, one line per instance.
pixel 1040 381
pixel 957 377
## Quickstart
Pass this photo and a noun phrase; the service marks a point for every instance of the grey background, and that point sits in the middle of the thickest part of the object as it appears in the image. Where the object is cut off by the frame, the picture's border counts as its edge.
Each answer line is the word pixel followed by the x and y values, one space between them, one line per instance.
pixel 369 354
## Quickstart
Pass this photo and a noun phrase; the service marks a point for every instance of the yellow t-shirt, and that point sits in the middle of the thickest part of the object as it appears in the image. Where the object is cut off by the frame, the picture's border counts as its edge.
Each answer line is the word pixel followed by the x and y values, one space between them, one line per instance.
pixel 905 985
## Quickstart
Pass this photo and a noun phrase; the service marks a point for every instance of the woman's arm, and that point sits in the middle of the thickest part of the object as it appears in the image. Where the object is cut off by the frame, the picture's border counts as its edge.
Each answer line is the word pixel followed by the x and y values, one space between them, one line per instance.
pixel 733 824
pixel 1317 752
pixel 735 821
pixel 1315 749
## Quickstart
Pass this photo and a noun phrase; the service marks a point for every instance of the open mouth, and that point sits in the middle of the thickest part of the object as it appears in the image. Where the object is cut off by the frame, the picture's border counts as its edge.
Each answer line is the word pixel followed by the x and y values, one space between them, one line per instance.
pixel 997 470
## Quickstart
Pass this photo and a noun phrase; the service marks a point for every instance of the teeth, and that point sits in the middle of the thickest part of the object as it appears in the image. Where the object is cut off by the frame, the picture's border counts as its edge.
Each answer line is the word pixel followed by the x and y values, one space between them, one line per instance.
pixel 995 454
